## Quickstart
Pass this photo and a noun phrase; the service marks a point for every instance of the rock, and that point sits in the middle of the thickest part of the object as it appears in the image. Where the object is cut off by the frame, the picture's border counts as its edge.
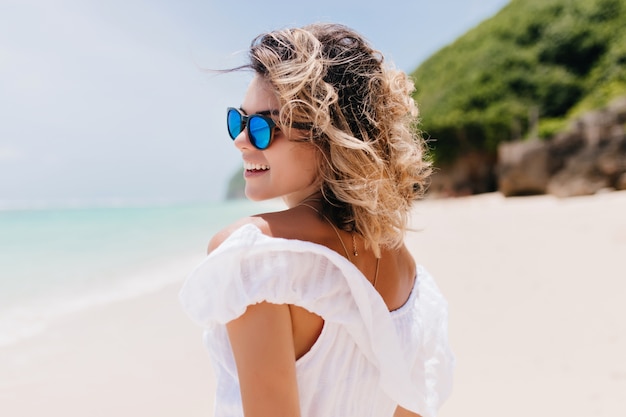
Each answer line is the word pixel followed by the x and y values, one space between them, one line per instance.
pixel 562 147
pixel 592 169
pixel 590 156
pixel 596 125
pixel 611 161
pixel 578 177
pixel 621 182
pixel 471 173
pixel 523 168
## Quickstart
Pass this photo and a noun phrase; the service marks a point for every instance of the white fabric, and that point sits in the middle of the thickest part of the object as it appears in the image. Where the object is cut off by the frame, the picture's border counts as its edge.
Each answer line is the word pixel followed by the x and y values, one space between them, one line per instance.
pixel 366 360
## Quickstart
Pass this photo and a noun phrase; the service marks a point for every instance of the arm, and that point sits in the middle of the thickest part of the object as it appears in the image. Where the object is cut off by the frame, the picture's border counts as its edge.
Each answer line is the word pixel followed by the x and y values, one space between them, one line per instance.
pixel 262 343
pixel 403 412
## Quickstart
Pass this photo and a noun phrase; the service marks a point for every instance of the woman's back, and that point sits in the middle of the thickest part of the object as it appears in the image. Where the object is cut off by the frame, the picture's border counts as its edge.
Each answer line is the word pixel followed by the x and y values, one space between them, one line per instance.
pixel 392 275
pixel 353 367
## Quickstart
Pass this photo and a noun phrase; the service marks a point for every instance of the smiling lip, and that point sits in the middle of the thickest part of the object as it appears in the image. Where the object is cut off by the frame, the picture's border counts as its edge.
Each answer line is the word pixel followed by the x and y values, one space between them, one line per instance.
pixel 253 170
pixel 249 166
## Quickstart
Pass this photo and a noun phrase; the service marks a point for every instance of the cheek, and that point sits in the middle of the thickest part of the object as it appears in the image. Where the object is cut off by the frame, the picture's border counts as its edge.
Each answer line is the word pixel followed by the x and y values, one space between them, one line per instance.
pixel 308 163
pixel 295 166
pixel 313 173
pixel 299 173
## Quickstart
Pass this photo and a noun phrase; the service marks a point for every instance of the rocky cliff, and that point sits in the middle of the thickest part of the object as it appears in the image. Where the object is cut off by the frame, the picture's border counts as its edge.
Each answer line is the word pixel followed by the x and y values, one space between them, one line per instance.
pixel 587 157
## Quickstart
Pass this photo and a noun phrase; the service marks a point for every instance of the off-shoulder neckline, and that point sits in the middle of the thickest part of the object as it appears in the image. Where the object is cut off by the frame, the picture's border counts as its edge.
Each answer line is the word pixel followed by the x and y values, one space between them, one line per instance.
pixel 335 257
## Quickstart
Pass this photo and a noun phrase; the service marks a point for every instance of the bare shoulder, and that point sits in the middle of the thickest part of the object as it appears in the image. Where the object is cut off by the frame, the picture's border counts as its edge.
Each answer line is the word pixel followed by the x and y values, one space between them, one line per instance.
pixel 273 224
pixel 225 233
pixel 295 223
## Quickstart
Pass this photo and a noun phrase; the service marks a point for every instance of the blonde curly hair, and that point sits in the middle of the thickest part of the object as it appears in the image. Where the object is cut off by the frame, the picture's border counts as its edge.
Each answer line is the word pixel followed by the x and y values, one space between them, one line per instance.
pixel 360 114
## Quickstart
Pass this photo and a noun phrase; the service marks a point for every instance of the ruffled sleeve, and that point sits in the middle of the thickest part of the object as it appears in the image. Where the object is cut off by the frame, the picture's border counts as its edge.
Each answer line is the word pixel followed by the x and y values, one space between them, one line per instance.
pixel 433 364
pixel 250 267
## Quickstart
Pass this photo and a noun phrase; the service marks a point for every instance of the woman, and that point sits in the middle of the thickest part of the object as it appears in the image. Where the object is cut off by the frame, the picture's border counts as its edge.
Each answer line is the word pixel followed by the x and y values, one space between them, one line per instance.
pixel 320 309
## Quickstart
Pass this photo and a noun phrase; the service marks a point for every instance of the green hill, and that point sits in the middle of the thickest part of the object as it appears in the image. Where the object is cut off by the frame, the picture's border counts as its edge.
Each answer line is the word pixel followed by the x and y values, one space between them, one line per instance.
pixel 536 60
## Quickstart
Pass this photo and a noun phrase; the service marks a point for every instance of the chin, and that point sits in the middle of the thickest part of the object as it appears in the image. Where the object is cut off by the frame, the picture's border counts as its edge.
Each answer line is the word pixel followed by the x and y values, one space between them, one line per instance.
pixel 252 196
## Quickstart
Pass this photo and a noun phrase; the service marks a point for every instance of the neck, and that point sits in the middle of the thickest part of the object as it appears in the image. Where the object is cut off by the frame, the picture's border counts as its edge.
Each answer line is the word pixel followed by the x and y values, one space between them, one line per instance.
pixel 311 198
pixel 317 197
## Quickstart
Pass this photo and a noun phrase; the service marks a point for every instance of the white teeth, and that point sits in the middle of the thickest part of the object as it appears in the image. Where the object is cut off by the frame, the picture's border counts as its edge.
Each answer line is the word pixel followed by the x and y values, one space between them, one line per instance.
pixel 257 167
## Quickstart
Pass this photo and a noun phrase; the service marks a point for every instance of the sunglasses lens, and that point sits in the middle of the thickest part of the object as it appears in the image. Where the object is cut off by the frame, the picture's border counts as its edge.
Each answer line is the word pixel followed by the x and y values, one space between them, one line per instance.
pixel 233 119
pixel 260 132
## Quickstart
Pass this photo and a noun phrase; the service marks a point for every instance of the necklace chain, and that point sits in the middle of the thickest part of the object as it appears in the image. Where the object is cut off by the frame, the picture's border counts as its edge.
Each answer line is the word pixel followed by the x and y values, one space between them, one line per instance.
pixel 303 203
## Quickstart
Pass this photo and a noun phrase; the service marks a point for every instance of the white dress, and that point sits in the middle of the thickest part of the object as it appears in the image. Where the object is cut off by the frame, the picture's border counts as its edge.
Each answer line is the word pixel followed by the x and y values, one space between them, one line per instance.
pixel 366 360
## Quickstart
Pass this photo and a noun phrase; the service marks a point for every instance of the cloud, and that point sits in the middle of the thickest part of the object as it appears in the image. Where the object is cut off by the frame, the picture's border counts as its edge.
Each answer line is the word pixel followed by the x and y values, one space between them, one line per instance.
pixel 113 91
pixel 8 153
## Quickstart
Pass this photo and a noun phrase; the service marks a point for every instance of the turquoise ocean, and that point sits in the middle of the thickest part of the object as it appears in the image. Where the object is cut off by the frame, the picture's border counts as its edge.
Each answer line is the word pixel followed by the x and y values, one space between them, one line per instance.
pixel 58 261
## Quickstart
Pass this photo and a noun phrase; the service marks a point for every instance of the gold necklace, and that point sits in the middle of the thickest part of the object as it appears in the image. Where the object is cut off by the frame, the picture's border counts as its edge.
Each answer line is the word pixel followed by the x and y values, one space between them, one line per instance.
pixel 303 203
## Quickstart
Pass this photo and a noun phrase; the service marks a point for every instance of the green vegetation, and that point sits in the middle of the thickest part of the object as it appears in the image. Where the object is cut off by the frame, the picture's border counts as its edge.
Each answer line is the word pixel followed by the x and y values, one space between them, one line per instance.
pixel 526 71
pixel 236 186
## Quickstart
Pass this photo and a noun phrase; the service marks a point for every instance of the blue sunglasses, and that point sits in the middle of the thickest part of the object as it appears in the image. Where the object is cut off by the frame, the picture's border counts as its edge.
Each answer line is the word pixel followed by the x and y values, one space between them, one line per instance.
pixel 260 127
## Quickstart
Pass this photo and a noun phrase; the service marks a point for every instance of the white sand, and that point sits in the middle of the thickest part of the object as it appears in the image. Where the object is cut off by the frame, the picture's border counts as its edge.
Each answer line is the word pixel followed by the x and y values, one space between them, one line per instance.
pixel 537 293
pixel 138 357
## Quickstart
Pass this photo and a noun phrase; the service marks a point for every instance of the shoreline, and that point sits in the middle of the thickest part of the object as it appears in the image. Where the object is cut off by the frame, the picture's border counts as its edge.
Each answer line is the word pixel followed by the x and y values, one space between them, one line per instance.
pixel 35 315
pixel 535 289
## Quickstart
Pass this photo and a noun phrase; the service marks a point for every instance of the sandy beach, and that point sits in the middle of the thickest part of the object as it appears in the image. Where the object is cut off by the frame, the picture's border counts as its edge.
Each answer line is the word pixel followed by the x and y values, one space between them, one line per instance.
pixel 536 288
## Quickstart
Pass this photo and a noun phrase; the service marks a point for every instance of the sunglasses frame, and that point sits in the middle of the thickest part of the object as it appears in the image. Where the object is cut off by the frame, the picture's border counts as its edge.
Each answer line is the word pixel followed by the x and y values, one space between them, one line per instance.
pixel 245 124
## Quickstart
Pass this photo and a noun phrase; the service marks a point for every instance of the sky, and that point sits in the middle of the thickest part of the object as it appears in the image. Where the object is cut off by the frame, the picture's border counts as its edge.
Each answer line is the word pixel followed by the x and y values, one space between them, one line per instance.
pixel 107 102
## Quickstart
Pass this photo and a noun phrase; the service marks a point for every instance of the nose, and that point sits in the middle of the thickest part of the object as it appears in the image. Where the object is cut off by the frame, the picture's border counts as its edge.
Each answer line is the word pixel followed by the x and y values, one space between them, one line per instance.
pixel 241 141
